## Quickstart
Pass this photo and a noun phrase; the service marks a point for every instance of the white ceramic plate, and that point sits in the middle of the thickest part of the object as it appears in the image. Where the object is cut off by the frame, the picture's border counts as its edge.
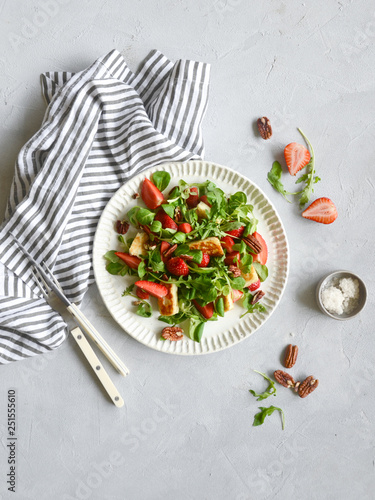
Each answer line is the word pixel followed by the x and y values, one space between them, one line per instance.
pixel 219 334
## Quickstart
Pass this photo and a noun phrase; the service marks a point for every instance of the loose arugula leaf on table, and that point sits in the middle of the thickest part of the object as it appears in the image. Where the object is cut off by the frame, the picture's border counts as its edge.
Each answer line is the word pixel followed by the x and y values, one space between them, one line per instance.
pixel 310 178
pixel 161 179
pixel 274 178
pixel 271 389
pixel 265 412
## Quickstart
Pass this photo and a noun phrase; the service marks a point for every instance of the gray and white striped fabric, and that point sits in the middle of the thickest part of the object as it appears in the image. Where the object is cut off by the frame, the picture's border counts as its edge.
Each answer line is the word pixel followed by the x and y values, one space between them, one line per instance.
pixel 102 126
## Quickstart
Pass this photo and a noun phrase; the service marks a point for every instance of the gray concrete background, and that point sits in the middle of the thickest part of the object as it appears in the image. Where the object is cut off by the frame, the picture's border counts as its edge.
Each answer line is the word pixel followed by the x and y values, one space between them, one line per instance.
pixel 186 429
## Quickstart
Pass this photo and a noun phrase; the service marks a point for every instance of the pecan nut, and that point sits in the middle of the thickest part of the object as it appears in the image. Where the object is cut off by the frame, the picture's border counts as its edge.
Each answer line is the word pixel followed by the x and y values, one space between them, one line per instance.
pixel 291 354
pixel 264 127
pixel 307 386
pixel 177 214
pixel 284 378
pixel 257 296
pixel 253 243
pixel 172 333
pixel 234 270
pixel 169 252
pixel 135 196
pixel 122 227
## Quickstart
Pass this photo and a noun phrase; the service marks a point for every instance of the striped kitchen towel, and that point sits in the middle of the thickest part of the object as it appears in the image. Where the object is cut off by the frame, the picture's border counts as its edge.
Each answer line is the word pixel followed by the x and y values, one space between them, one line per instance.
pixel 102 126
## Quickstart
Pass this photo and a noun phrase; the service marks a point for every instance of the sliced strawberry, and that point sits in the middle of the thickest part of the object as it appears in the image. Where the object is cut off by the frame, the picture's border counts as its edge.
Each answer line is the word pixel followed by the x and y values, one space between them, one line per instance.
pixel 163 248
pixel 322 210
pixel 227 243
pixel 185 227
pixel 166 221
pixel 177 266
pixel 205 260
pixel 263 255
pixel 254 286
pixel 232 258
pixel 142 294
pixel 237 295
pixel 205 200
pixel 296 157
pixel 237 233
pixel 155 289
pixel 193 199
pixel 151 195
pixel 130 260
pixel 207 310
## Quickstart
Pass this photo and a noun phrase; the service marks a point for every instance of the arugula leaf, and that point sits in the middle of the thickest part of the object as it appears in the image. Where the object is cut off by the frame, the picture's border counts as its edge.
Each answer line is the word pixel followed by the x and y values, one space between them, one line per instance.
pixel 236 200
pixel 169 210
pixel 115 265
pixel 265 412
pixel 311 179
pixel 145 216
pixel 161 179
pixel 144 310
pixel 195 329
pixel 132 215
pixel 142 269
pixel 179 237
pixel 274 176
pixel 128 291
pixel 262 270
pixel 156 226
pixel 271 389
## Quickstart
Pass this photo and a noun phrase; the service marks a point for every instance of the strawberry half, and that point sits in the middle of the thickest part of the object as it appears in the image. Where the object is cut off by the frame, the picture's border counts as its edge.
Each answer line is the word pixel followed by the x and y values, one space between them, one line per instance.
pixel 232 258
pixel 227 243
pixel 296 157
pixel 166 221
pixel 155 289
pixel 237 233
pixel 151 195
pixel 237 295
pixel 263 255
pixel 193 199
pixel 206 311
pixel 185 227
pixel 322 210
pixel 177 266
pixel 142 294
pixel 205 260
pixel 130 260
pixel 254 286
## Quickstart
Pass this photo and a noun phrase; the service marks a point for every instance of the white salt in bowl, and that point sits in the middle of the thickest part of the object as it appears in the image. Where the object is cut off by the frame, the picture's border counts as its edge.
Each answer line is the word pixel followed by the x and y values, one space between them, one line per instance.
pixel 330 280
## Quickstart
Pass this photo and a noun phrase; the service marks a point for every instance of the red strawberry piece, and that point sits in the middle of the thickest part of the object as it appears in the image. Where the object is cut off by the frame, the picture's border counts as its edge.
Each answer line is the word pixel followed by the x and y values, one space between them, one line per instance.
pixel 205 260
pixel 232 258
pixel 193 199
pixel 151 195
pixel 237 295
pixel 205 200
pixel 185 227
pixel 130 260
pixel 227 243
pixel 142 294
pixel 296 157
pixel 237 233
pixel 166 221
pixel 207 310
pixel 177 266
pixel 322 210
pixel 263 255
pixel 254 286
pixel 164 246
pixel 155 289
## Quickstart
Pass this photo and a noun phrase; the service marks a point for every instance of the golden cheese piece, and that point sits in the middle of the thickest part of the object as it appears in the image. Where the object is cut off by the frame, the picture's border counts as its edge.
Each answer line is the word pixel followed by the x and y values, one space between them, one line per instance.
pixel 168 305
pixel 210 246
pixel 138 246
pixel 250 277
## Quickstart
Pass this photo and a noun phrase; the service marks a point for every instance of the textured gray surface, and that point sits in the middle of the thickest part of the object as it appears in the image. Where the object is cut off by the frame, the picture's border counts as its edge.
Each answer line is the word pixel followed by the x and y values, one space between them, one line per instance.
pixel 186 429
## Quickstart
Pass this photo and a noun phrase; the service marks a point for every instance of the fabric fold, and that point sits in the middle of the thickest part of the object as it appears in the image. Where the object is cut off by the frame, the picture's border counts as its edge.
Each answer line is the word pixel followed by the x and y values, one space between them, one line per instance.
pixel 102 126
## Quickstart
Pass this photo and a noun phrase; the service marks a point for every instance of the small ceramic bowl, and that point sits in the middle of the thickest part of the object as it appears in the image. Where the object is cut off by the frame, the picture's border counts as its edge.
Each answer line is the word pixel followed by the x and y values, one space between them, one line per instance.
pixel 329 280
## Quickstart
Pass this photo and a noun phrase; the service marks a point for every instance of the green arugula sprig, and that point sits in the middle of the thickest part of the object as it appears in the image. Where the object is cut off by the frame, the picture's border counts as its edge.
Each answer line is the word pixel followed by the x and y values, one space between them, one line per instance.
pixel 270 391
pixel 144 308
pixel 309 177
pixel 260 417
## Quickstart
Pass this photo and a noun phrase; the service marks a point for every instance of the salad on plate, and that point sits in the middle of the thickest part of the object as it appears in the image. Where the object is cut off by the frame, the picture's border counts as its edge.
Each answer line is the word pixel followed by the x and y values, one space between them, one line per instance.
pixel 196 249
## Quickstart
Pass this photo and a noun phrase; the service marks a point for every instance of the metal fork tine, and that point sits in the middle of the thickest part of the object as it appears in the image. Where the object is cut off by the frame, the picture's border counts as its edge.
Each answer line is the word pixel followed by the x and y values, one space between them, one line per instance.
pixel 38 277
pixel 52 276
